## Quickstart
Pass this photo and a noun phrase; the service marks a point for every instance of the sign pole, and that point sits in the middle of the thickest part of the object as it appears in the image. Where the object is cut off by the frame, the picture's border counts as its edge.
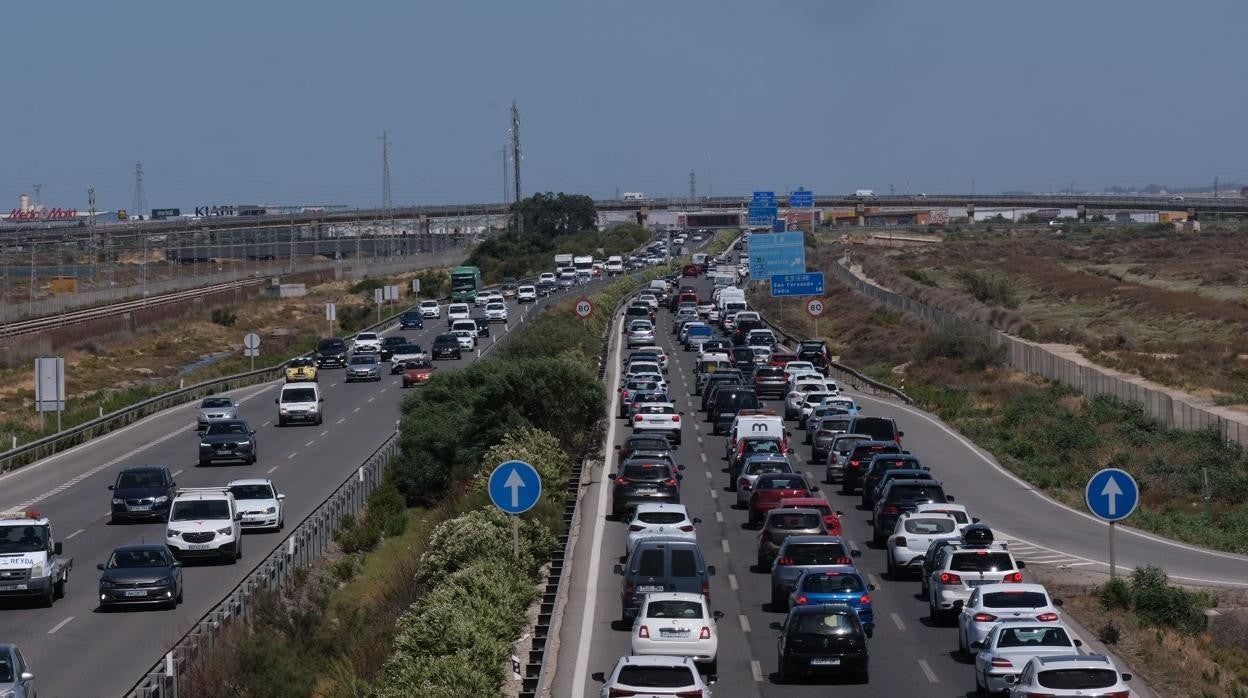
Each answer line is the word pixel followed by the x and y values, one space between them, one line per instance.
pixel 515 538
pixel 1113 568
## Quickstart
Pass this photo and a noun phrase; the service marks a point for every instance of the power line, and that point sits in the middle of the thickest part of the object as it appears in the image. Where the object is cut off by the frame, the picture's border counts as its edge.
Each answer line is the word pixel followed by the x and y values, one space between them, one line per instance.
pixel 516 155
pixel 386 202
pixel 139 205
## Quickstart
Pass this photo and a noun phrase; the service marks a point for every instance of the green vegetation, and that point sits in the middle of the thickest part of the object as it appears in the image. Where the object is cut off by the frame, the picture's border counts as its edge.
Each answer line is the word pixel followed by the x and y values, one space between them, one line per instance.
pixel 920 276
pixel 1155 602
pixel 968 344
pixel 987 287
pixel 225 317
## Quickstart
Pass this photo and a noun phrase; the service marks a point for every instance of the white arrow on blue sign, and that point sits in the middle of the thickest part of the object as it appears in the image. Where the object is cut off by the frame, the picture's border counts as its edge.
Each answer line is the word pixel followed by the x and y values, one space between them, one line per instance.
pixel 515 487
pixel 1112 494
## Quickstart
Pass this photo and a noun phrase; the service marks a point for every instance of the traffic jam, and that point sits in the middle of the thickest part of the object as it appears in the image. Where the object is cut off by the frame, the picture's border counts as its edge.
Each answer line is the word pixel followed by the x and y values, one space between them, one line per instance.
pixel 721 423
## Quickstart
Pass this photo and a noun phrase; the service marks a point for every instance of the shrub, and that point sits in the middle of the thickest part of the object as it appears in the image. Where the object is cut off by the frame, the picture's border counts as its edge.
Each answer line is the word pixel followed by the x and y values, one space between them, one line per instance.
pixel 987 287
pixel 1115 594
pixel 1160 604
pixel 920 276
pixel 365 287
pixel 970 346
pixel 344 569
pixel 225 317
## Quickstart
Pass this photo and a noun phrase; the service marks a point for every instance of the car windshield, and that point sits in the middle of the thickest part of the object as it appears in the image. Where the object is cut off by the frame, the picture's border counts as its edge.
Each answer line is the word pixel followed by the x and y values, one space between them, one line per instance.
pixel 832 582
pixel 252 491
pixel 916 493
pixel 1049 636
pixel 428 304
pixel 363 360
pixel 1015 599
pixel 122 559
pixel 416 364
pixel 331 345
pixel 23 539
pixel 824 624
pixel 981 561
pixel 142 478
pixel 645 471
pixel 690 610
pixel 656 409
pixel 366 337
pixel 815 553
pixel 200 510
pixel 768 466
pixel 930 526
pixel 1077 679
pixel 957 514
pixel 793 522
pixel 660 517
pixel 762 446
pixel 446 339
pixel 216 402
pixel 299 395
pixel 648 676
pixel 217 428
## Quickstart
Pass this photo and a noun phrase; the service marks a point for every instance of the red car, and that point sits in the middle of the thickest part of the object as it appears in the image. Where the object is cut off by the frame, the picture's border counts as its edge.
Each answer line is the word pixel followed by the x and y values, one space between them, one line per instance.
pixel 831 519
pixel 780 358
pixel 417 371
pixel 774 487
pixel 690 270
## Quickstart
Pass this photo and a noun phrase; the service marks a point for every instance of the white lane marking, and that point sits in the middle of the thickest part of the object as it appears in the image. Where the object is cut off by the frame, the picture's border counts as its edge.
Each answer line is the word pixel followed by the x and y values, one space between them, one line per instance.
pixel 266 423
pixel 897 621
pixel 78 531
pixel 356 410
pixel 745 623
pixel 340 421
pixel 270 470
pixel 178 472
pixel 757 670
pixel 714 494
pixel 382 390
pixel 310 443
pixel 724 543
pixel 927 671
pixel 699 439
pixel 372 398
pixel 580 674
pixel 874 580
pixel 732 582
pixel 707 473
pixel 332 384
pixel 292 455
pixel 719 516
pixel 108 514
pixel 1027 486
pixel 60 625
pixel 324 433
pixel 703 457
pixel 697 427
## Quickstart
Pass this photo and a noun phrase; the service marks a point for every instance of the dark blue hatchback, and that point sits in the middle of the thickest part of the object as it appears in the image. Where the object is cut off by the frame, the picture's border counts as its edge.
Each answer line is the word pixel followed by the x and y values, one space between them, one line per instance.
pixel 142 493
pixel 411 320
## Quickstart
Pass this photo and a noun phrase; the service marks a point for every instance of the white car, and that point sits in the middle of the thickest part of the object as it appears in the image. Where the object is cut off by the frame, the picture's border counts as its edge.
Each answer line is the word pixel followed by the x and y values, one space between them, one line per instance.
pixel 548 276
pixel 635 676
pixel 481 299
pixel 1070 675
pixel 526 294
pixel 466 326
pixel 1011 644
pixel 366 343
pixel 458 311
pixel 992 603
pixel 430 309
pixel 496 311
pixel 656 351
pixel 259 501
pixel 204 522
pixel 797 393
pixel 808 404
pixel 912 536
pixel 800 368
pixel 957 511
pixel 678 624
pixel 960 569
pixel 494 297
pixel 467 339
pixel 659 519
pixel 659 418
pixel 846 403
pixel 650 299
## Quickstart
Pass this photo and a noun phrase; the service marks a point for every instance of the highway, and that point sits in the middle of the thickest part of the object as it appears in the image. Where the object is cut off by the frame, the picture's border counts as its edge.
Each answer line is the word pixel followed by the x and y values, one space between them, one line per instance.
pixel 76 650
pixel 909 655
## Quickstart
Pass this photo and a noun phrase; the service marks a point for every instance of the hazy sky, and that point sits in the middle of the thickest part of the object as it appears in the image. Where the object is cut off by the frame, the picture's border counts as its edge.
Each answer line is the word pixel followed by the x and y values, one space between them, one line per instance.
pixel 282 102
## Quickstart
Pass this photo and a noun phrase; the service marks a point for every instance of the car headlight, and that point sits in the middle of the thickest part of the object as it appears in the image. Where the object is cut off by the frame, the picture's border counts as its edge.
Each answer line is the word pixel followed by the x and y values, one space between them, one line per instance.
pixel 118 501
pixel 164 582
pixel 283 409
pixel 38 571
pixel 205 444
pixel 161 499
pixel 171 533
pixel 271 510
pixel 226 531
pixel 106 584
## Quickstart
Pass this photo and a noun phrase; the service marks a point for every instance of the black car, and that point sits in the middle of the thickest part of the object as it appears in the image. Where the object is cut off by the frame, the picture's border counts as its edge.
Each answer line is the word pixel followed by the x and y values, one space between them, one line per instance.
pixel 483 326
pixel 814 351
pixel 143 574
pixel 545 288
pixel 446 346
pixel 770 381
pixel 822 638
pixel 388 345
pixel 875 472
pixel 716 381
pixel 142 493
pixel 901 496
pixel 228 440
pixel 641 442
pixel 728 402
pixel 644 480
pixel 860 458
pixel 411 320
pixel 331 351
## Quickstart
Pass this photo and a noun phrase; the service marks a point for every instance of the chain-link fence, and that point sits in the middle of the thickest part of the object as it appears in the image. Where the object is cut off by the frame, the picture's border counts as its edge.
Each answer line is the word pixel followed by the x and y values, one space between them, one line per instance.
pixel 1029 357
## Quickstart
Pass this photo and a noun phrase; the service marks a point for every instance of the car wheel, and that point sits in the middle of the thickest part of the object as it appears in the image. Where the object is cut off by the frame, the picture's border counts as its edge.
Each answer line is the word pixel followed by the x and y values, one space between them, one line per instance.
pixel 676 440
pixel 281 421
pixel 933 613
pixel 712 667
pixel 963 652
pixel 252 460
pixel 204 463
pixel 238 547
pixel 779 602
pixel 178 599
pixel 58 589
pixel 47 599
pixel 892 569
pixel 318 419
pixel 782 676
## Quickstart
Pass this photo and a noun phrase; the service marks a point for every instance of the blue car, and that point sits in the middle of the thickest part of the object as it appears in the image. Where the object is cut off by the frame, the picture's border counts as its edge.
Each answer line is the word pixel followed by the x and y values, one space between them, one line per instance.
pixel 411 320
pixel 835 584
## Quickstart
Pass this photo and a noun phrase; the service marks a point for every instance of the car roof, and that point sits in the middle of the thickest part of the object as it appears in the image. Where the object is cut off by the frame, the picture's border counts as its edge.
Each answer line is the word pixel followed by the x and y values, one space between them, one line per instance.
pixel 821 609
pixel 1013 586
pixel 660 506
pixel 675 596
pixel 152 468
pixel 655 660
pixel 914 481
pixel 816 539
pixel 803 502
pixel 839 569
pixel 250 481
pixel 139 547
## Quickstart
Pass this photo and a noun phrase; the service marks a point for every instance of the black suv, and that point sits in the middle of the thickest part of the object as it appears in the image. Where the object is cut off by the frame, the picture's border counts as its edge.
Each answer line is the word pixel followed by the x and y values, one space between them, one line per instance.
pixel 728 402
pixel 446 346
pixel 901 496
pixel 644 480
pixel 713 384
pixel 142 493
pixel 770 381
pixel 822 638
pixel 331 351
pixel 860 458
pixel 389 343
pixel 875 472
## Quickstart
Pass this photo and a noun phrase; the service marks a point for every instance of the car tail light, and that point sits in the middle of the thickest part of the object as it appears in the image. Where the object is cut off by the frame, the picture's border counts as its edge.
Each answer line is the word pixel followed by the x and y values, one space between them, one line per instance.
pixel 620 692
pixel 695 693
pixel 900 541
pixel 1118 694
pixel 644 631
pixel 864 599
pixel 782 561
pixel 844 560
pixel 890 509
pixel 949 578
pixel 624 394
pixel 637 418
pixel 705 634
pixel 854 464
pixel 621 480
pixel 1002 663
pixel 983 618
pixel 1016 577
pixel 706 591
pixel 686 527
pixel 743 484
pixel 801 599
pixel 629 589
pixel 1047 617
pixel 636 527
pixel 675 418
pixel 670 482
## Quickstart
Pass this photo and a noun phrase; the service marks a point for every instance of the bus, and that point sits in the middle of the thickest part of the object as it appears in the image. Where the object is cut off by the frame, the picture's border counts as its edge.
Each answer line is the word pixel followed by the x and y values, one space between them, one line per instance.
pixel 464 284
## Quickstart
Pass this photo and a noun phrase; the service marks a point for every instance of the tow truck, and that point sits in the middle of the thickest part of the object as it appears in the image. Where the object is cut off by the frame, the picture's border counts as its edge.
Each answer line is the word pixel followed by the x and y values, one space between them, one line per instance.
pixel 31 562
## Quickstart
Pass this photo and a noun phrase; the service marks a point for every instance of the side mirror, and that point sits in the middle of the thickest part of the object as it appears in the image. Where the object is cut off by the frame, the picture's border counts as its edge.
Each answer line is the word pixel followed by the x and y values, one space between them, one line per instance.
pixel 111 487
pixel 1078 643
pixel 679 476
pixel 618 569
pixel 599 676
pixel 1011 679
pixel 274 401
pixel 56 548
pixel 840 513
pixel 238 517
pixel 775 626
pixel 251 432
pixel 870 587
pixel 177 563
pixel 99 565
pixel 1057 602
pixel 712 679
pixel 321 400
pixel 814 488
pixel 1022 565
pixel 868 629
pixel 680 467
pixel 949 497
pixel 613 475
pixel 855 553
pixel 901 434
pixel 617 447
pixel 974 519
pixel 710 570
pixel 1126 677
pixel 27 676
pixel 281 496
pixel 977 645
pixel 696 520
pixel 718 615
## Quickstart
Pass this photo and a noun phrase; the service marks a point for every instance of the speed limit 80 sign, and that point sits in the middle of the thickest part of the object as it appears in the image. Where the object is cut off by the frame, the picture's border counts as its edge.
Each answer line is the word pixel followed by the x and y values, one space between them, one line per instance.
pixel 583 308
pixel 815 306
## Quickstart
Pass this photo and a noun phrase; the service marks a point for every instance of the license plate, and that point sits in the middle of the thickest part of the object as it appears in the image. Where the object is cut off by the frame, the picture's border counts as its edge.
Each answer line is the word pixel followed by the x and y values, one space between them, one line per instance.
pixel 650 587
pixel 199 546
pixel 140 507
pixel 134 592
pixel 647 490
pixel 825 661
pixel 674 632
pixel 978 582
pixel 13 587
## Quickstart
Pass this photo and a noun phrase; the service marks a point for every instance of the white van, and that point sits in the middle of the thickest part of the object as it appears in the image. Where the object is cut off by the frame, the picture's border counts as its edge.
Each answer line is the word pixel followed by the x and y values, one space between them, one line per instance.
pixel 466 326
pixel 299 402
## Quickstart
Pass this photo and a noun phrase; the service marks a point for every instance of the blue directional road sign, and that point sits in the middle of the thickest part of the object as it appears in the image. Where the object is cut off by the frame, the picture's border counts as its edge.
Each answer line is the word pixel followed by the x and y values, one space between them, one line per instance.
pixel 787 285
pixel 760 216
pixel 801 199
pixel 515 487
pixel 763 198
pixel 1112 494
pixel 777 253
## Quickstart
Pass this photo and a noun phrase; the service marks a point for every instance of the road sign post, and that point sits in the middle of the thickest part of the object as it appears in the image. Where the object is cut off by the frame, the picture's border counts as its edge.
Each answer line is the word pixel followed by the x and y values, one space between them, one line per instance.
pixel 331 314
pixel 815 308
pixel 583 308
pixel 251 347
pixel 515 487
pixel 1112 495
pixel 50 387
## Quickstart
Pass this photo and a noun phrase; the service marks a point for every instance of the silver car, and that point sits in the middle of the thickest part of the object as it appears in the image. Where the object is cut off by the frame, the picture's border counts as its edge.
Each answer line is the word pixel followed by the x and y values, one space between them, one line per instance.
pixel 640 333
pixel 363 367
pixel 16 679
pixel 212 409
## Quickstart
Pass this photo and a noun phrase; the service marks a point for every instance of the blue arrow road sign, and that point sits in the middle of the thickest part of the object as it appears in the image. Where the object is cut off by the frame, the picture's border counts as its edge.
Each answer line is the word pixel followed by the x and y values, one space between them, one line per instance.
pixel 801 199
pixel 787 285
pixel 1112 494
pixel 515 487
pixel 776 253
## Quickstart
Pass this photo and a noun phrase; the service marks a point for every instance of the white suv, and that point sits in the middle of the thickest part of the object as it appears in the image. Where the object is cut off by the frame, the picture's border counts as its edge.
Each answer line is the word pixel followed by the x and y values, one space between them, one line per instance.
pixel 205 522
pixel 911 537
pixel 457 311
pixel 526 294
pixel 496 311
pixel 299 402
pixel 960 569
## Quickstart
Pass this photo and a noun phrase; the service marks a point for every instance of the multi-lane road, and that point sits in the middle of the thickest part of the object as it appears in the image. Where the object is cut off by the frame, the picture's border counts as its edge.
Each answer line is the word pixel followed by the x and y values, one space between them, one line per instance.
pixel 909 655
pixel 76 650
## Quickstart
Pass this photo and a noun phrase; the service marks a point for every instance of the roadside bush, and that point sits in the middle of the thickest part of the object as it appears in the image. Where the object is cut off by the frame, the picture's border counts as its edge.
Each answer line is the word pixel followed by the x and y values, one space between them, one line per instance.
pixel 479 534
pixel 987 287
pixel 920 276
pixel 225 317
pixel 969 346
pixel 1115 594
pixel 353 317
pixel 385 514
pixel 434 283
pixel 1160 604
pixel 365 287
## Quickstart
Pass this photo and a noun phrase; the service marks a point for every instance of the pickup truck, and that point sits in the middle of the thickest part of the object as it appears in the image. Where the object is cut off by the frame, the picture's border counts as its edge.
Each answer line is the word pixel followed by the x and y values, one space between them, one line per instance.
pixel 31 563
